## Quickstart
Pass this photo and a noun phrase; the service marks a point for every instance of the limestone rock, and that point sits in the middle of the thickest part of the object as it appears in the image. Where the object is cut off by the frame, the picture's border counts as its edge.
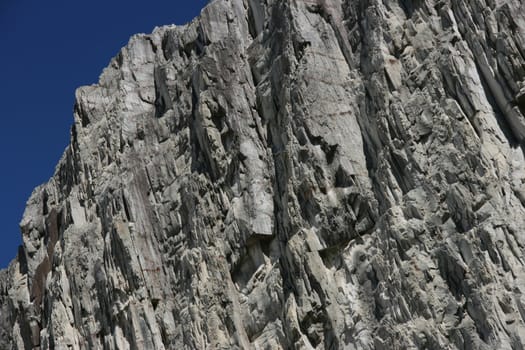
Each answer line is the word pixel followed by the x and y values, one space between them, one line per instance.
pixel 321 174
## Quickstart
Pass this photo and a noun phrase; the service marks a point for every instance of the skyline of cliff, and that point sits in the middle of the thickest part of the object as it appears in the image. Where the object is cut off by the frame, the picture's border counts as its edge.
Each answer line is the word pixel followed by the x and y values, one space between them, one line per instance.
pixel 48 51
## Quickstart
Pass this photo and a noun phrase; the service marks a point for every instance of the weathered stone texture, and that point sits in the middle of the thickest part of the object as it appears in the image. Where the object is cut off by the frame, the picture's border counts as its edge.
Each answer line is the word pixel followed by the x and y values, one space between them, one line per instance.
pixel 295 174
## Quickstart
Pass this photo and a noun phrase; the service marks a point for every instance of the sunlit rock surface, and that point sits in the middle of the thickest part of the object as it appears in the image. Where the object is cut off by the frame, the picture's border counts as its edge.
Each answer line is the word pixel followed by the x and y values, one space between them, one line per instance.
pixel 292 174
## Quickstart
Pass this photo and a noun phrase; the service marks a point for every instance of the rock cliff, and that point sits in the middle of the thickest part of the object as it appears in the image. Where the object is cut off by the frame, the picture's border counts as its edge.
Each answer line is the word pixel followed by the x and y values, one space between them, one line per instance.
pixel 294 174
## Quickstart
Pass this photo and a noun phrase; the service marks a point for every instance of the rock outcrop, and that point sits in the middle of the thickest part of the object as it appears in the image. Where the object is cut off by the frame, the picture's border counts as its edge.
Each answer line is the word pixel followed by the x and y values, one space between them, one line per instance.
pixel 295 174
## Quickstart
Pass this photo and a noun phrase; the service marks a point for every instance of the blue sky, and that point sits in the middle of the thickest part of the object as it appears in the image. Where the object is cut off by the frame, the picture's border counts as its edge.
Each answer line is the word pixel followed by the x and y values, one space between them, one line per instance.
pixel 47 50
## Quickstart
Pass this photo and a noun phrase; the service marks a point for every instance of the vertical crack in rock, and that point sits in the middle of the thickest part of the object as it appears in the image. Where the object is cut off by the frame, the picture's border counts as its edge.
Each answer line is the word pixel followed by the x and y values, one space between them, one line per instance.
pixel 299 174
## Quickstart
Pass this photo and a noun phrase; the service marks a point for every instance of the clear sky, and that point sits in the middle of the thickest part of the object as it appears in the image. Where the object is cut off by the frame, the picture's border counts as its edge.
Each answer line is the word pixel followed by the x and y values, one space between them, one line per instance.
pixel 47 50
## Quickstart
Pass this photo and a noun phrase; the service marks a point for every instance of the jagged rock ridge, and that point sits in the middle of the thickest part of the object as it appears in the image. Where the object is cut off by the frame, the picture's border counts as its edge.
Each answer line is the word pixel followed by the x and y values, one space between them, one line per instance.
pixel 289 174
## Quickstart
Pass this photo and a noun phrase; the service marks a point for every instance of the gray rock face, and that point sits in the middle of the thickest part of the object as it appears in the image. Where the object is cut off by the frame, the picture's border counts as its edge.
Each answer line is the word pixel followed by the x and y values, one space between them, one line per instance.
pixel 289 175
